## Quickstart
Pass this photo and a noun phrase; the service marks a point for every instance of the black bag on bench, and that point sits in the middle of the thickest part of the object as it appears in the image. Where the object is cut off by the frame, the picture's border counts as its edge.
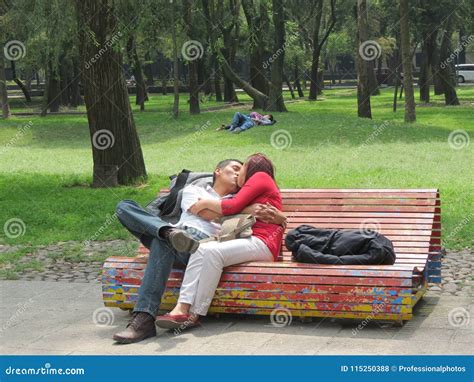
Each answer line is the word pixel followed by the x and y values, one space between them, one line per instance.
pixel 339 247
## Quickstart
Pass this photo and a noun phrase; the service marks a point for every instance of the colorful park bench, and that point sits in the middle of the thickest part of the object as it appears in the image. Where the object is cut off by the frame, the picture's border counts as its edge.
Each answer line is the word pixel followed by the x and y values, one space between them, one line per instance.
pixel 409 217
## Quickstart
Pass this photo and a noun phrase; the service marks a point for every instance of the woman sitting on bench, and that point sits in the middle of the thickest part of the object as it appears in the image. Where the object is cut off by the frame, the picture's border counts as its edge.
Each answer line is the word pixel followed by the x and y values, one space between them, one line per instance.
pixel 204 269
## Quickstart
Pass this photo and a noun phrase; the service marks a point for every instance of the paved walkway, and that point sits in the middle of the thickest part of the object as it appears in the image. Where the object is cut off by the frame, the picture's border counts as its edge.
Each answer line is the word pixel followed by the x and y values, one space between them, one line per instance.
pixel 47 317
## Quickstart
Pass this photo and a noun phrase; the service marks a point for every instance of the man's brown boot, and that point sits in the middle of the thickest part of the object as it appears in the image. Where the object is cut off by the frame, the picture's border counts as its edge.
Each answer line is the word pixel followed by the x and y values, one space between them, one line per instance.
pixel 140 327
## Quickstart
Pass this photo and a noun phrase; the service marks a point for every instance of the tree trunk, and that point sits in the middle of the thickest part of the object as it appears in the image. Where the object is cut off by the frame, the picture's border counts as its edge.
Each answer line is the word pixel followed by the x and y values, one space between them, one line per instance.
pixel 313 89
pixel 425 73
pixel 175 63
pixel 438 83
pixel 363 86
pixel 23 88
pixel 76 98
pixel 116 149
pixel 410 114
pixel 52 91
pixel 64 82
pixel 463 38
pixel 396 76
pixel 148 70
pixel 374 84
pixel 192 62
pixel 134 61
pixel 3 89
pixel 217 80
pixel 258 29
pixel 206 72
pixel 275 95
pixel 447 71
pixel 290 88
pixel 297 80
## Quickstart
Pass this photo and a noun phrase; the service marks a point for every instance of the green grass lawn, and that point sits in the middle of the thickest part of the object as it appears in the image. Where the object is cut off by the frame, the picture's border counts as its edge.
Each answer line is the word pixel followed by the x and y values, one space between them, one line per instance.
pixel 46 170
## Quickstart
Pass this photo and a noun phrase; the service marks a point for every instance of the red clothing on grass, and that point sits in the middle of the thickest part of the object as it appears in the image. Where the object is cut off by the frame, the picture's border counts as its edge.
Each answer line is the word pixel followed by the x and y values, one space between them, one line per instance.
pixel 259 188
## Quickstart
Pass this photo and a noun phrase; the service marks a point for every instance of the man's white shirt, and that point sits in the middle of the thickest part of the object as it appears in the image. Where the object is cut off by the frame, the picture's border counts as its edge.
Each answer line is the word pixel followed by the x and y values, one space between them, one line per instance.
pixel 191 194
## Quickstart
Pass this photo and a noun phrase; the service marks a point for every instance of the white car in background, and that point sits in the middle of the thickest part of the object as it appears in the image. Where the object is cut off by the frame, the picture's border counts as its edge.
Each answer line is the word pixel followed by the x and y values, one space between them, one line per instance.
pixel 465 72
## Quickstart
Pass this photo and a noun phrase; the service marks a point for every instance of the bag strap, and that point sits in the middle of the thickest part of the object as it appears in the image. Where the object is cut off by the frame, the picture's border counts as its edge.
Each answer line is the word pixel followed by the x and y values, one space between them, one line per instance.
pixel 168 205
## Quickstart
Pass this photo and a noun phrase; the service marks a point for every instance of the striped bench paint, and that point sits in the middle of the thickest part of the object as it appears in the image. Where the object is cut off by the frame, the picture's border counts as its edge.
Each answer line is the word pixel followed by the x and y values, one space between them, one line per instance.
pixel 409 217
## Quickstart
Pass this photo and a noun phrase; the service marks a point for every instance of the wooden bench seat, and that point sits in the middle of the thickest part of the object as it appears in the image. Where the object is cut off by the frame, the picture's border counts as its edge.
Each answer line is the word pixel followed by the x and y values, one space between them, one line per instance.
pixel 408 217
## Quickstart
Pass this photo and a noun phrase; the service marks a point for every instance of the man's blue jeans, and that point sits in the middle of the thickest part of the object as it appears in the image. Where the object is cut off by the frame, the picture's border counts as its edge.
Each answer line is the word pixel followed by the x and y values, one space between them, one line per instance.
pixel 162 256
pixel 243 121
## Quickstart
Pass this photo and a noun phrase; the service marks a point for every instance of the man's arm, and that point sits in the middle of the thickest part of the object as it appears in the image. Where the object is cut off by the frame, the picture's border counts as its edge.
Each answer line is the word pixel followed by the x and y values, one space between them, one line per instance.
pixel 190 199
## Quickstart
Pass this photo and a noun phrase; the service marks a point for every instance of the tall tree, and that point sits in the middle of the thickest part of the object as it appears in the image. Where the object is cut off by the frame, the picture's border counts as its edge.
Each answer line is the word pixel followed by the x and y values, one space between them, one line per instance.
pixel 257 21
pixel 260 99
pixel 116 149
pixel 229 29
pixel 192 61
pixel 134 60
pixel 363 85
pixel 275 96
pixel 410 114
pixel 3 89
pixel 447 72
pixel 175 62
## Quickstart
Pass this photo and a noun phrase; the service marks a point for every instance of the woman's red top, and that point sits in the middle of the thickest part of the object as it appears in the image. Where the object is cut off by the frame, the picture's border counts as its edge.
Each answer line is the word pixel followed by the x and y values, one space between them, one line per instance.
pixel 259 188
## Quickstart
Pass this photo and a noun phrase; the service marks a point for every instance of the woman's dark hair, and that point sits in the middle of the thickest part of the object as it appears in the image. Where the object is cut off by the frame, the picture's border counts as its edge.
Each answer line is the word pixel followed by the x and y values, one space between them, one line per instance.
pixel 271 117
pixel 259 163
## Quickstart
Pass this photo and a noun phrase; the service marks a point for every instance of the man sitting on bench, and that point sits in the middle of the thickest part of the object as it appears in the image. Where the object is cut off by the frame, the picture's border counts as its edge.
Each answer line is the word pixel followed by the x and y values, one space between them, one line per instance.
pixel 168 243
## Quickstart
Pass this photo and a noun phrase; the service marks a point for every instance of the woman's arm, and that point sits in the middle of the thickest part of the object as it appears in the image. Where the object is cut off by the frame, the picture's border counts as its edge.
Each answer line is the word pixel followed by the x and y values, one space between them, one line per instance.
pixel 258 184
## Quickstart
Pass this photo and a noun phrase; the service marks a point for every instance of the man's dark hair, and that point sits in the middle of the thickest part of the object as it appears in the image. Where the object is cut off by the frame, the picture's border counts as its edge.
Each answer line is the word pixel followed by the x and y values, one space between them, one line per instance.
pixel 271 117
pixel 221 165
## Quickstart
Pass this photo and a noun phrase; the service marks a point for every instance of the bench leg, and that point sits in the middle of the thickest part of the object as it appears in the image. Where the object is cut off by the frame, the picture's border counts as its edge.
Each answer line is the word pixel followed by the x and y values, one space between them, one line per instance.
pixel 398 323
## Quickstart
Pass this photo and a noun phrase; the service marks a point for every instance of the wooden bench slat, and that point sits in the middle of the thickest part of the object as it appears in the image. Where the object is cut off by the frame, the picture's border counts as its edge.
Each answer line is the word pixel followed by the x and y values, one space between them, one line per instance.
pixel 362 190
pixel 359 195
pixel 289 208
pixel 363 215
pixel 359 202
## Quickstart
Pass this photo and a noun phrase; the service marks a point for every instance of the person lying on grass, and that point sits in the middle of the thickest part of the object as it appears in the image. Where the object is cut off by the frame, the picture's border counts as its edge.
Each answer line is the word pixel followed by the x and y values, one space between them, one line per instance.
pixel 241 122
